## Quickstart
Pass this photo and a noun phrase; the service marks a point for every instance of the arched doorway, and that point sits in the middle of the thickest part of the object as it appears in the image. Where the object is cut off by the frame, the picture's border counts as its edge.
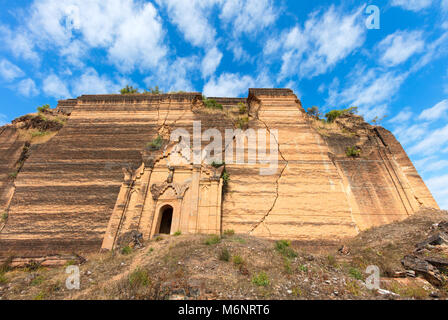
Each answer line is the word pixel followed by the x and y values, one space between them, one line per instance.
pixel 166 214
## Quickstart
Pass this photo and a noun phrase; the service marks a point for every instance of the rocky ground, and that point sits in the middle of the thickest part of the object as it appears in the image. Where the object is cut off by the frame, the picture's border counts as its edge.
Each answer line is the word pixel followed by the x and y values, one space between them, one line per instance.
pixel 412 256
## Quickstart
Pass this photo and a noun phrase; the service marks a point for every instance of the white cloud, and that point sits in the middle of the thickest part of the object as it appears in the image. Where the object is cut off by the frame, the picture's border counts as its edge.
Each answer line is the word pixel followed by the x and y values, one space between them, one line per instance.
pixel 191 18
pixel 271 46
pixel 439 187
pixel 432 142
pixel 9 71
pixel 239 54
pixel 436 165
pixel 27 87
pixel 228 85
pixel 234 85
pixel 444 5
pixel 175 76
pixel 402 116
pixel 211 61
pixel 421 163
pixel 54 87
pixel 413 5
pixel 432 51
pixel 129 30
pixel 436 112
pixel 138 41
pixel 410 134
pixel 74 53
pixel 91 83
pixel 431 164
pixel 325 39
pixel 400 46
pixel 19 43
pixel 248 16
pixel 369 90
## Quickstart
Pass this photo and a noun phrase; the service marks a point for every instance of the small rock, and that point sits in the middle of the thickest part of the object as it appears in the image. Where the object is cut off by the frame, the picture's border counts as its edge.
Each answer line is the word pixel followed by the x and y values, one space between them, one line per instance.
pixel 410 273
pixel 434 294
pixel 310 258
pixel 399 274
pixel 441 238
pixel 344 250
pixel 327 281
pixel 289 291
pixel 386 292
pixel 88 273
pixel 420 266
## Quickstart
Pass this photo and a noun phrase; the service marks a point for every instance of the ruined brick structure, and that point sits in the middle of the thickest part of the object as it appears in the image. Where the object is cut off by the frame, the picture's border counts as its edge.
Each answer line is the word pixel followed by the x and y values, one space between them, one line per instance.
pixel 71 194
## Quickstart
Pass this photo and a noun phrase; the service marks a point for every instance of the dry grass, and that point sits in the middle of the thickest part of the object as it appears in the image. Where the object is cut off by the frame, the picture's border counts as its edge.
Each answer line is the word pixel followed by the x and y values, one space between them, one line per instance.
pixel 409 289
pixel 185 266
pixel 229 113
pixel 35 136
pixel 385 246
pixel 327 129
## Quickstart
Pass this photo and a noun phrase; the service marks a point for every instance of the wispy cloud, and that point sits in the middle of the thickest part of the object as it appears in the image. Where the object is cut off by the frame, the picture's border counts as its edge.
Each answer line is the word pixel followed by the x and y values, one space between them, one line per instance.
pixel 92 83
pixel 130 31
pixel 175 76
pixel 439 187
pixel 27 87
pixel 402 117
pixel 432 142
pixel 408 134
pixel 413 5
pixel 228 85
pixel 54 87
pixel 369 90
pixel 191 18
pixel 440 110
pixel 248 16
pixel 325 39
pixel 211 61
pixel 234 85
pixel 9 71
pixel 19 43
pixel 396 48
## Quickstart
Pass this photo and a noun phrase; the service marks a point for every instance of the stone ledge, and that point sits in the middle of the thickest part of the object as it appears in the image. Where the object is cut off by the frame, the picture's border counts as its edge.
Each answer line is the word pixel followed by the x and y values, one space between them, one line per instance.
pixel 270 92
pixel 228 101
pixel 139 97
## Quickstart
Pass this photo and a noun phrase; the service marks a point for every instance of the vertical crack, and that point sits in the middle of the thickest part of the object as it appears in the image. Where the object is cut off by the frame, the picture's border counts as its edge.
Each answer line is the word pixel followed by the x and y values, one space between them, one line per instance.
pixel 276 183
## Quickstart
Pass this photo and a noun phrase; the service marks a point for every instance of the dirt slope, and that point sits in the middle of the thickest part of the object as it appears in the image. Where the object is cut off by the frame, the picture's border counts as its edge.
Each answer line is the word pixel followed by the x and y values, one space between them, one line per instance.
pixel 195 267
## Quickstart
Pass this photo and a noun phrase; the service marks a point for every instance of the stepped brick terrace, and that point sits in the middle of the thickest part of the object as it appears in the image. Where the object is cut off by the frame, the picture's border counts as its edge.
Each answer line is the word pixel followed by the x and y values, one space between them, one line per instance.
pixel 93 181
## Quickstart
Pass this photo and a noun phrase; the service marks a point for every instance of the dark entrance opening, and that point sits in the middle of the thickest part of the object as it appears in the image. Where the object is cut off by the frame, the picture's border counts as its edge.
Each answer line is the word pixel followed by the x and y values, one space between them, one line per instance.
pixel 167 217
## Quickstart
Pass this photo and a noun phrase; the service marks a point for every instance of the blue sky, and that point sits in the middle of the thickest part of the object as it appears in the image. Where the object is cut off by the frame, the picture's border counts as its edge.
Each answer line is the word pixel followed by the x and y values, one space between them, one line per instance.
pixel 52 50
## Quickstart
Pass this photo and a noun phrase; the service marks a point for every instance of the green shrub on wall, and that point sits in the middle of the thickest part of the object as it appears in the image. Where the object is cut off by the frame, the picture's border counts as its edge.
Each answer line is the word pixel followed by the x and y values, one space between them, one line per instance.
pixel 334 114
pixel 155 144
pixel 211 103
pixel 353 152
